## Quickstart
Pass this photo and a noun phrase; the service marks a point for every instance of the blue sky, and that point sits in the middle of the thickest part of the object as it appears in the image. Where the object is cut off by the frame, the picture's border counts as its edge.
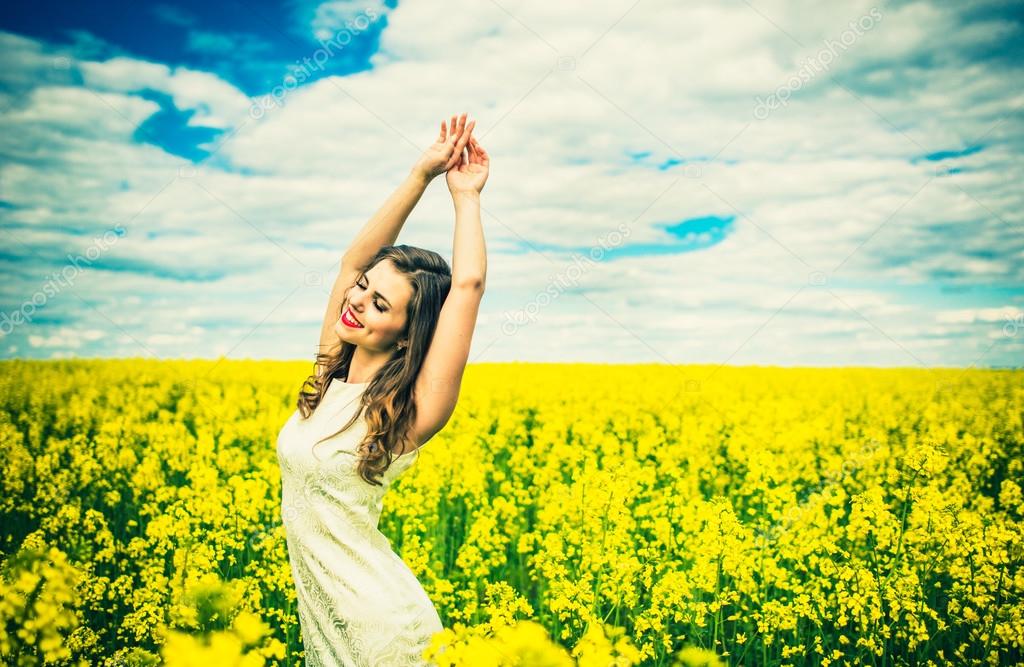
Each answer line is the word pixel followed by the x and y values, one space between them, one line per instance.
pixel 766 183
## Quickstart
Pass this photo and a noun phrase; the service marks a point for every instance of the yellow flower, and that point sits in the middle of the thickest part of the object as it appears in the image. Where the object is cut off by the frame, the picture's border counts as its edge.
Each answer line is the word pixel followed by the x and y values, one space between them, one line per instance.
pixel 691 656
pixel 600 498
pixel 249 627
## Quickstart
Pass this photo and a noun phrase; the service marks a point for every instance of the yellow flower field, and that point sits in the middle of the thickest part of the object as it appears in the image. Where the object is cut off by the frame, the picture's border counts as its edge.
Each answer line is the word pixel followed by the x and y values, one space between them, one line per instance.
pixel 567 515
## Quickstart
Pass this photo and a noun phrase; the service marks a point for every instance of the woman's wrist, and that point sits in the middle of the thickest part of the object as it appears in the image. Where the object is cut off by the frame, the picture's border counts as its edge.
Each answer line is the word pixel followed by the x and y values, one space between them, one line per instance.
pixel 466 197
pixel 418 175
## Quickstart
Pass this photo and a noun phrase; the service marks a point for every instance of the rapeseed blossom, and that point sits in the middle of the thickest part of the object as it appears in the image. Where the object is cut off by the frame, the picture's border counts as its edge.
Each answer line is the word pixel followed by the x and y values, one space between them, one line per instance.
pixel 566 515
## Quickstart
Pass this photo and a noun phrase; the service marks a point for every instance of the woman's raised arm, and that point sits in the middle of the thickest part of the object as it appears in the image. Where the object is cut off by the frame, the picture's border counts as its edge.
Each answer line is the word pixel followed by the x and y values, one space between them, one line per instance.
pixel 383 228
pixel 440 377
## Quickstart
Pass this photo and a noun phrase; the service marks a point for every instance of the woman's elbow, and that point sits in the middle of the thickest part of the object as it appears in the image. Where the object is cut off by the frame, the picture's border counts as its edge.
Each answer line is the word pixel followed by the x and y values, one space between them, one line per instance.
pixel 470 282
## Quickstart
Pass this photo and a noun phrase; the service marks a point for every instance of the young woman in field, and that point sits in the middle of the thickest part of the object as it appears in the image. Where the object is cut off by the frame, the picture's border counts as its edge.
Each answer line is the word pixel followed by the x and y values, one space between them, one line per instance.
pixel 393 347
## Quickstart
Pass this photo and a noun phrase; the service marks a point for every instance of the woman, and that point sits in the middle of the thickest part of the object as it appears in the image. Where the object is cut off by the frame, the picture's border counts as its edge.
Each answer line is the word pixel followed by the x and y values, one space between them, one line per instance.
pixel 394 344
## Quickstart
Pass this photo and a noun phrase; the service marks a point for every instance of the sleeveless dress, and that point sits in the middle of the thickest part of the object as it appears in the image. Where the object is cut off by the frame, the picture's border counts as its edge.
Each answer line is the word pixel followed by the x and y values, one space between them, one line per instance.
pixel 359 604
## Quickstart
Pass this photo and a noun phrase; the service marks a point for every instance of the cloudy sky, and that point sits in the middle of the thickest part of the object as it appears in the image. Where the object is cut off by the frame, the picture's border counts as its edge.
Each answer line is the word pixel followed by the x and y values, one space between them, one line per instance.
pixel 749 182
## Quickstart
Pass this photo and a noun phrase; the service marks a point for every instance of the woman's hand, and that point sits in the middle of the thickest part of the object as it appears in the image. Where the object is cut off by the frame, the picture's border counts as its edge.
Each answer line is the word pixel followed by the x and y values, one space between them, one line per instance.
pixel 445 152
pixel 470 174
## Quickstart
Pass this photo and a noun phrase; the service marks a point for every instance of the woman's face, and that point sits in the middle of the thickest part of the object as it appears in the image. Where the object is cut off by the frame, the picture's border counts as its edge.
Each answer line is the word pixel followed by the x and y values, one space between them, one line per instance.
pixel 377 301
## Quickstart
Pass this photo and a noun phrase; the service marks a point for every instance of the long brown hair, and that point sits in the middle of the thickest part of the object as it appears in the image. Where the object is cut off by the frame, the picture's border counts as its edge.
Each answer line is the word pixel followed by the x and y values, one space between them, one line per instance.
pixel 387 401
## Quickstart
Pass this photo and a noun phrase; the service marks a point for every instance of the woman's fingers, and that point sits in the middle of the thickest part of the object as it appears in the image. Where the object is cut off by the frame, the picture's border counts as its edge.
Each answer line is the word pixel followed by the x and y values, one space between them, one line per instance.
pixel 457 137
pixel 481 154
pixel 460 144
pixel 477 153
pixel 466 133
pixel 457 124
pixel 444 132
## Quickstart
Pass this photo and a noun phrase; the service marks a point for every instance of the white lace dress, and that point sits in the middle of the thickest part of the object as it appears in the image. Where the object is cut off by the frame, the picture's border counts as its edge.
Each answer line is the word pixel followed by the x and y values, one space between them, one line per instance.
pixel 359 604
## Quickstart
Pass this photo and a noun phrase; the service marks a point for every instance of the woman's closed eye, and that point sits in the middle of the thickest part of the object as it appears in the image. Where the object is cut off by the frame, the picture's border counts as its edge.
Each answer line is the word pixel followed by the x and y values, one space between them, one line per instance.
pixel 376 303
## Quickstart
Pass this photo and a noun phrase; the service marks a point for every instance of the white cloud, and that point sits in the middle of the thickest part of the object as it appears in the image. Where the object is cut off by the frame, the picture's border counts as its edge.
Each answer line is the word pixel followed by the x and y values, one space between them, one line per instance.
pixel 341 19
pixel 216 102
pixel 562 94
pixel 973 315
pixel 67 337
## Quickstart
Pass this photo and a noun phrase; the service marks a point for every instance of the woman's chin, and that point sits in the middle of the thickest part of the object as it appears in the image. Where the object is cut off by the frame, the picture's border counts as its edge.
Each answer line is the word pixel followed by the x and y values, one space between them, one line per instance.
pixel 345 334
